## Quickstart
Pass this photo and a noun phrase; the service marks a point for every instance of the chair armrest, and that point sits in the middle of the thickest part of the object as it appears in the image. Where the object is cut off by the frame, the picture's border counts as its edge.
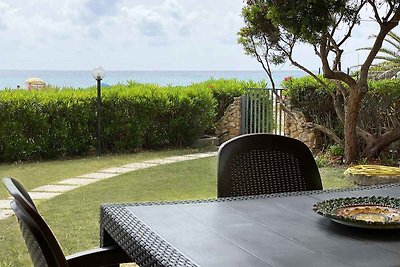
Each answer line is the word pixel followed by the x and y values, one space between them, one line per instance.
pixel 98 257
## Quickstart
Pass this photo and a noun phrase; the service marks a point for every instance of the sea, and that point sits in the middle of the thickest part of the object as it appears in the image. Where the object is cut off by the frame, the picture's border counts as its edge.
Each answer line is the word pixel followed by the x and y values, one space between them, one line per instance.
pixel 83 78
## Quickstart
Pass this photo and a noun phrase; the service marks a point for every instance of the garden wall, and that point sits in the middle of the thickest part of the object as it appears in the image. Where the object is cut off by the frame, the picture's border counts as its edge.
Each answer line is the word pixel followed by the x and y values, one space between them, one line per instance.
pixel 228 126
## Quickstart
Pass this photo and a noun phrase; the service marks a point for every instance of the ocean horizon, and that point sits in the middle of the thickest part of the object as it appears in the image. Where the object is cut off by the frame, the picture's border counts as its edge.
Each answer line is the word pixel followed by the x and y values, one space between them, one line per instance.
pixel 81 78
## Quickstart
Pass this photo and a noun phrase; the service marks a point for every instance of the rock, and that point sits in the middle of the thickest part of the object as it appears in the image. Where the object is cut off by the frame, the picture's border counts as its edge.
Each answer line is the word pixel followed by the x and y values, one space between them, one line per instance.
pixel 206 142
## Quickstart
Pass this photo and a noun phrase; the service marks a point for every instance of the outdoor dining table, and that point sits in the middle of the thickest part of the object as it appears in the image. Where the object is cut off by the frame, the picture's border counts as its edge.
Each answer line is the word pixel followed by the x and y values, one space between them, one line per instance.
pixel 262 230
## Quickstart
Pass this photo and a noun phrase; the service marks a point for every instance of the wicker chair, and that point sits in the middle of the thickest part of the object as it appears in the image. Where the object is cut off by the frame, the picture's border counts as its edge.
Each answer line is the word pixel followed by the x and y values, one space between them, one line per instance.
pixel 42 244
pixel 18 192
pixel 255 164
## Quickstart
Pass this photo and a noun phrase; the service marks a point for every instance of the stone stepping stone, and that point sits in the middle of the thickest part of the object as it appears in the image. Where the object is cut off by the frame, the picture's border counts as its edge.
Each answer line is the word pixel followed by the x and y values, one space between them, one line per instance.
pixel 180 158
pixel 77 181
pixel 43 195
pixel 55 188
pixel 5 203
pixel 98 175
pixel 5 214
pixel 203 155
pixel 159 161
pixel 117 170
pixel 138 165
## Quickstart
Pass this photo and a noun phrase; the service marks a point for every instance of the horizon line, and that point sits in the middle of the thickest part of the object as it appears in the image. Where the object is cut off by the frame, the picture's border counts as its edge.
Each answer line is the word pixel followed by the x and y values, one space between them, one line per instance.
pixel 89 70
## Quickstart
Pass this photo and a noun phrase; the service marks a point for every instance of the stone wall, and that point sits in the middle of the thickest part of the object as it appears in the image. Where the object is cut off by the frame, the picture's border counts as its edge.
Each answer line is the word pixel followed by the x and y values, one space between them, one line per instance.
pixel 295 128
pixel 230 122
pixel 298 129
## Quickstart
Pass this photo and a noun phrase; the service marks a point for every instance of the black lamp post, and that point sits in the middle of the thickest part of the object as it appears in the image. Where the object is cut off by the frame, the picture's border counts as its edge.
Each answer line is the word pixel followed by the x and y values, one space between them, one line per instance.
pixel 98 74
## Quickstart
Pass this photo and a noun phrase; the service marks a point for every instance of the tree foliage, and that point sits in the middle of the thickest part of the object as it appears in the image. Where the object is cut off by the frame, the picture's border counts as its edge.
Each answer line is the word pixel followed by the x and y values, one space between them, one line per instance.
pixel 274 28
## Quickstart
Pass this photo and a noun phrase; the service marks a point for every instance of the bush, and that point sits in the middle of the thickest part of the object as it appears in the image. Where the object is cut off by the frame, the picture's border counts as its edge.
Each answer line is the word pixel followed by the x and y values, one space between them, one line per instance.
pixel 379 110
pixel 225 90
pixel 336 150
pixel 62 122
pixel 54 123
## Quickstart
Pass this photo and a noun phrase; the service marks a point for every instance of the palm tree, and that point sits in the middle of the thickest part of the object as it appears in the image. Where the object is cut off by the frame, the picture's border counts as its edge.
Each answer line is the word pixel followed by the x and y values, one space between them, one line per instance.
pixel 390 65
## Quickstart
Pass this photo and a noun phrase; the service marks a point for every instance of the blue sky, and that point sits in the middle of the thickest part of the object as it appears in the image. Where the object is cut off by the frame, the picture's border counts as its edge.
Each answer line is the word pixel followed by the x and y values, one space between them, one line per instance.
pixel 133 35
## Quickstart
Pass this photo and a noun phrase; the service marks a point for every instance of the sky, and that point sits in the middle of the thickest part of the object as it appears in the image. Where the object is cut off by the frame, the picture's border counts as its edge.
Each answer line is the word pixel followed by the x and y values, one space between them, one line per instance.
pixel 134 35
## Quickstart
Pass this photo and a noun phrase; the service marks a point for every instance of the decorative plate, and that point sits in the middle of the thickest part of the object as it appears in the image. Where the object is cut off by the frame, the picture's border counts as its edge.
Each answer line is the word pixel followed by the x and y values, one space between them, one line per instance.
pixel 365 212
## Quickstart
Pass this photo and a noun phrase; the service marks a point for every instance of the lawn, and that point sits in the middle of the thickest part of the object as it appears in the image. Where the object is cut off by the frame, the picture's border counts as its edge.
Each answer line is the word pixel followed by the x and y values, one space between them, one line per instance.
pixel 74 216
pixel 34 174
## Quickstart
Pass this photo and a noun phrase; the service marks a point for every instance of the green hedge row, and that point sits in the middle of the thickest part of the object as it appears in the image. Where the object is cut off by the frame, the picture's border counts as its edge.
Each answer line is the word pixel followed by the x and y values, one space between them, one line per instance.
pixel 379 110
pixel 62 122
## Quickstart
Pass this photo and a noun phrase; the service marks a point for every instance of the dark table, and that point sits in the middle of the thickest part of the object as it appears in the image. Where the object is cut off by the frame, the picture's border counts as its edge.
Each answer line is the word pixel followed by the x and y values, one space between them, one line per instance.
pixel 265 230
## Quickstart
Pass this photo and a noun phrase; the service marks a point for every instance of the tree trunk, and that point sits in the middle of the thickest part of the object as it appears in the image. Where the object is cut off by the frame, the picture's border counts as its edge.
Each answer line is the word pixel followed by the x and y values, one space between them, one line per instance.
pixel 375 146
pixel 351 115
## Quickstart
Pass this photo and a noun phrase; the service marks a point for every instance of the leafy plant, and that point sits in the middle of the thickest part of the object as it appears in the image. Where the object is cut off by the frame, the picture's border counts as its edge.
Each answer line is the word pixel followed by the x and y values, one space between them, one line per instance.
pixel 59 122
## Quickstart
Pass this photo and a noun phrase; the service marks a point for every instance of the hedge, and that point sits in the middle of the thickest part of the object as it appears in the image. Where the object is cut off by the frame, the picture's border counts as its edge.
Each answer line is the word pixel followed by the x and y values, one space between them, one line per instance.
pixel 224 91
pixel 379 110
pixel 62 122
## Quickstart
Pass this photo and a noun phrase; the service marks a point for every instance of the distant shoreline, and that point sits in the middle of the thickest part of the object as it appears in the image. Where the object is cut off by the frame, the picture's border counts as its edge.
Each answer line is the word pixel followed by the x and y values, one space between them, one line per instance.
pixel 83 78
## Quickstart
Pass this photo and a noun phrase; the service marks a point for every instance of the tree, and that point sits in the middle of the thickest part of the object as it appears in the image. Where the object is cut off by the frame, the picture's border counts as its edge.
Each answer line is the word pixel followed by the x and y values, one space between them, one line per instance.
pixel 390 65
pixel 273 28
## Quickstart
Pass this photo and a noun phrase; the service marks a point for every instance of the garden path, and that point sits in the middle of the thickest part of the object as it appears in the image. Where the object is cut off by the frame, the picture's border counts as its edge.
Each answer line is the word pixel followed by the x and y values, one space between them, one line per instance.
pixel 53 190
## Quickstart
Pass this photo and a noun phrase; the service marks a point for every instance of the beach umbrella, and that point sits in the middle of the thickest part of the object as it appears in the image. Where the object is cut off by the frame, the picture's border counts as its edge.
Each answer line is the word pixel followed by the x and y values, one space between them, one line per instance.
pixel 35 81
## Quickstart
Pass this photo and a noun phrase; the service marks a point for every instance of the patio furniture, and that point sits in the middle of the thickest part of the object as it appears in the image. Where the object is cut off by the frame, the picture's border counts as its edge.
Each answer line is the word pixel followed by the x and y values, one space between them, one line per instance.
pixel 42 244
pixel 255 164
pixel 263 230
pixel 18 192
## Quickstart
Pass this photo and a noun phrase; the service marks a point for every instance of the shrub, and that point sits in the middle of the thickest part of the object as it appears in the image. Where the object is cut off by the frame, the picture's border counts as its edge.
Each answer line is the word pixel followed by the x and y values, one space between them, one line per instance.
pixel 336 150
pixel 225 90
pixel 379 110
pixel 54 123
pixel 62 122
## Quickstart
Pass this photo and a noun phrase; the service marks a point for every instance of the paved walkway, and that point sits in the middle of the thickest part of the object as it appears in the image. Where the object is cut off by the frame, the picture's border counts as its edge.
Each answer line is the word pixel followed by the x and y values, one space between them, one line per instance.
pixel 52 190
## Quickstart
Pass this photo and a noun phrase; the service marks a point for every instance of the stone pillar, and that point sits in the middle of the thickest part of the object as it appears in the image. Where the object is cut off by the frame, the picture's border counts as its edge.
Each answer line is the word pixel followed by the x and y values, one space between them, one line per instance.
pixel 297 128
pixel 230 121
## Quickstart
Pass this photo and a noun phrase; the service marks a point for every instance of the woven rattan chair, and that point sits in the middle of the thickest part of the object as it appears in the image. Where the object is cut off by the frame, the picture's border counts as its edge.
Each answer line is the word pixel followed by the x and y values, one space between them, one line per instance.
pixel 18 192
pixel 255 164
pixel 42 244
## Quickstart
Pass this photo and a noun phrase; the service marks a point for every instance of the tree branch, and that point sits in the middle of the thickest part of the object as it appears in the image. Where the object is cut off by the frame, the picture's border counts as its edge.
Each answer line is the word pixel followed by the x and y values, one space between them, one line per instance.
pixel 326 131
pixel 375 9
pixel 352 24
pixel 385 28
pixel 328 72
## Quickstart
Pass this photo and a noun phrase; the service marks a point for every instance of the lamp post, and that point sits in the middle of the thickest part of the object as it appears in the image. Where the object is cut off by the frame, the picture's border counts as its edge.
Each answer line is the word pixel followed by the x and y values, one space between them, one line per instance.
pixel 98 75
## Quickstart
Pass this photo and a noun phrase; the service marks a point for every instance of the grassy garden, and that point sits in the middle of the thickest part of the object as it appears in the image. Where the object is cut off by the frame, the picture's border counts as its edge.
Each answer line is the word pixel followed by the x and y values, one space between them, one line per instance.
pixel 74 216
pixel 51 125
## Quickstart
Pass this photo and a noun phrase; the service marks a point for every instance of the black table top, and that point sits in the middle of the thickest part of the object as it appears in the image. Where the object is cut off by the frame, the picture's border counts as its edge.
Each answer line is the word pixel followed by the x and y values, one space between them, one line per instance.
pixel 266 230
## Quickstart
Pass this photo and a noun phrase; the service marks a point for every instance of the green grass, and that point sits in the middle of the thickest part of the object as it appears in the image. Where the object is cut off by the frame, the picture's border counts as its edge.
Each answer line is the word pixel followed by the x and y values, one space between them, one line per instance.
pixel 332 177
pixel 74 216
pixel 34 174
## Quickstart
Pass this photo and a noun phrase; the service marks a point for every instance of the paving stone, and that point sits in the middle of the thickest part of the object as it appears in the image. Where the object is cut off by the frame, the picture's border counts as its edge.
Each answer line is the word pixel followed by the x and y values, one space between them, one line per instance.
pixel 55 188
pixel 202 155
pixel 43 195
pixel 77 181
pixel 5 214
pixel 116 170
pixel 180 158
pixel 5 203
pixel 159 161
pixel 98 175
pixel 138 165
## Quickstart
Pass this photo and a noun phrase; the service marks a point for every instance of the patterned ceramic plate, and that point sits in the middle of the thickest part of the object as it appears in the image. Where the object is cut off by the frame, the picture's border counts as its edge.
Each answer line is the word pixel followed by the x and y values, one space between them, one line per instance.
pixel 365 212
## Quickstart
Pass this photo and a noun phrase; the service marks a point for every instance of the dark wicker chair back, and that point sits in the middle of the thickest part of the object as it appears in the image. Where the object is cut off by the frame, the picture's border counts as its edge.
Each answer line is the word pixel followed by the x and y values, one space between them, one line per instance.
pixel 255 164
pixel 40 241
pixel 17 191
pixel 43 246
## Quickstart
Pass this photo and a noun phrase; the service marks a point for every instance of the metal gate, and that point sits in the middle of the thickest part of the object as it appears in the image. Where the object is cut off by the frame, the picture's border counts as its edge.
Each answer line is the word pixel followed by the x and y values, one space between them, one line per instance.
pixel 261 112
